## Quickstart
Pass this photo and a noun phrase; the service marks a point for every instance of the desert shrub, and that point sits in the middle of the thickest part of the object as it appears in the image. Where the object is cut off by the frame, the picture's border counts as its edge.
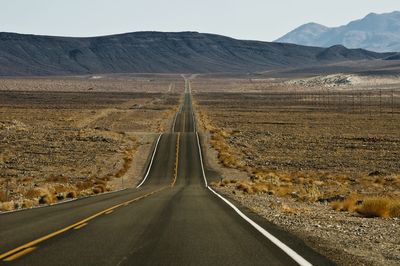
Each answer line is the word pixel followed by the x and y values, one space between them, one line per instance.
pixel 394 209
pixel 33 193
pixel 337 205
pixel 283 191
pixel 125 167
pixel 3 196
pixel 244 187
pixel 260 187
pixel 289 210
pixel 380 207
pixel 313 193
pixel 82 185
pixel 26 203
pixel 350 204
pixel 71 195
pixel 100 188
pixel 7 206
pixel 47 198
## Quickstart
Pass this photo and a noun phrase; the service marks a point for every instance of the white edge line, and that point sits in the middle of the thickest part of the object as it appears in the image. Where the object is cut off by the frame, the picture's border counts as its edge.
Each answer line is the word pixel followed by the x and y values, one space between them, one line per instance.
pixel 194 122
pixel 201 159
pixel 290 252
pixel 151 163
pixel 174 123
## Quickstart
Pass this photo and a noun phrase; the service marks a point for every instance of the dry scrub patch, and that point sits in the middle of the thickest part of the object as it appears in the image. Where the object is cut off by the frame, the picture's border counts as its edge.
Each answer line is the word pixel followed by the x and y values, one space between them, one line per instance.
pixel 62 145
pixel 316 163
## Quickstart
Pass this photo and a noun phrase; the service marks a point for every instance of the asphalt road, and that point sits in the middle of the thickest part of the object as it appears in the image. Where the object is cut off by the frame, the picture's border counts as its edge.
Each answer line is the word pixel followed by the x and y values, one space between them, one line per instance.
pixel 171 219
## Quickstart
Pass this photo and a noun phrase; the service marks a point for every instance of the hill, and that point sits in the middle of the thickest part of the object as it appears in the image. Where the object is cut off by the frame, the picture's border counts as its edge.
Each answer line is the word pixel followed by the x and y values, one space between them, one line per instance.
pixel 375 32
pixel 157 52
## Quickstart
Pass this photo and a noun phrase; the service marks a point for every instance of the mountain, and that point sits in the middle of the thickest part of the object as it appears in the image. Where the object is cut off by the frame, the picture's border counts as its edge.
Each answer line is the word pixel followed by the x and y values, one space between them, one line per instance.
pixel 375 32
pixel 158 52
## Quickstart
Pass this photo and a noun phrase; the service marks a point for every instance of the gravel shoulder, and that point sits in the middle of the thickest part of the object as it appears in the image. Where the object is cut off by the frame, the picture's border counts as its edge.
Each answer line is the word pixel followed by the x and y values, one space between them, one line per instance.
pixel 346 238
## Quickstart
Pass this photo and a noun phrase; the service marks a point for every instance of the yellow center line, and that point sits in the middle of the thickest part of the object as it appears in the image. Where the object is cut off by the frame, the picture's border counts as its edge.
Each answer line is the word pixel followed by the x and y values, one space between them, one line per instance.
pixel 184 122
pixel 108 212
pixel 80 226
pixel 176 161
pixel 19 254
pixel 63 230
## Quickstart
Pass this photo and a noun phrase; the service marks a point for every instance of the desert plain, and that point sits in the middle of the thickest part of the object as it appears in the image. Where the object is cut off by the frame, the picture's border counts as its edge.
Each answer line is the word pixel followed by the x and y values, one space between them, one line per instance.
pixel 316 155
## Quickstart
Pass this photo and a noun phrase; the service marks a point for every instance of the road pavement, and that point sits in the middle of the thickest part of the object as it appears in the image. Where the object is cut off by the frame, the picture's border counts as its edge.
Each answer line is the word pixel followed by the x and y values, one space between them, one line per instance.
pixel 173 218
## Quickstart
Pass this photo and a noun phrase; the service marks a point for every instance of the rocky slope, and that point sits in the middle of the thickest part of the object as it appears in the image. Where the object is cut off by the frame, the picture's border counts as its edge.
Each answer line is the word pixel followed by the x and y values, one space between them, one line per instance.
pixel 375 32
pixel 157 52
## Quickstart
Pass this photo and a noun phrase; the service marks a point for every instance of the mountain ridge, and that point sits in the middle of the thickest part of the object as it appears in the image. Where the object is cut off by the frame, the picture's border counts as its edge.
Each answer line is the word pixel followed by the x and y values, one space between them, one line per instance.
pixel 375 32
pixel 156 52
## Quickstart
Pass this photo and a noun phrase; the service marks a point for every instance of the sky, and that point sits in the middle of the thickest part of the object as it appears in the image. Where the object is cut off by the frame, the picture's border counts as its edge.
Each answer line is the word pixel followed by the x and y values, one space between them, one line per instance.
pixel 243 19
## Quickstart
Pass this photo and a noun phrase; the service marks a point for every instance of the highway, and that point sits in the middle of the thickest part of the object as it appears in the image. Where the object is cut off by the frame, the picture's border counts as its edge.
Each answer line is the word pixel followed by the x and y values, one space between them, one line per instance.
pixel 171 218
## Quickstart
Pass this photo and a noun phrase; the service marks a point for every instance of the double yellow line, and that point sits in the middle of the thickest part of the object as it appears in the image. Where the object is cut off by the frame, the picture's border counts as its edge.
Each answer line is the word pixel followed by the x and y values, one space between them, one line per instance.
pixel 176 160
pixel 29 247
pixel 26 248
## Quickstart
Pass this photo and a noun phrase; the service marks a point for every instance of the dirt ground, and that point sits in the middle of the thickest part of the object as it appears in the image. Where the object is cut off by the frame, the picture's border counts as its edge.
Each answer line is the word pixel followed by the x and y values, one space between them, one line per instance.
pixel 60 143
pixel 312 153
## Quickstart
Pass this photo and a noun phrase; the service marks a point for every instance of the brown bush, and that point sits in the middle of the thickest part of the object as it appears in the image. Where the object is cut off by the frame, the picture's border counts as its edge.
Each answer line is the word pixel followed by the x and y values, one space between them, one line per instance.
pixel 71 195
pixel 3 196
pixel 245 188
pixel 125 166
pixel 82 185
pixel 383 207
pixel 28 203
pixel 337 205
pixel 350 203
pixel 33 193
pixel 260 187
pixel 283 191
pixel 7 206
pixel 100 188
pixel 46 199
pixel 394 209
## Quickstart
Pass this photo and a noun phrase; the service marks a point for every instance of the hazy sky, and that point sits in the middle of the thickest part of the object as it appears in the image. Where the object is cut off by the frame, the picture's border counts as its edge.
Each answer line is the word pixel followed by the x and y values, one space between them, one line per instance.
pixel 244 19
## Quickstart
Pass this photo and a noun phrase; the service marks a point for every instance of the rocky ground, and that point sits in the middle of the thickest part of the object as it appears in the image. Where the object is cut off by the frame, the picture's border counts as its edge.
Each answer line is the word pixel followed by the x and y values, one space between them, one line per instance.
pixel 309 161
pixel 346 238
pixel 58 145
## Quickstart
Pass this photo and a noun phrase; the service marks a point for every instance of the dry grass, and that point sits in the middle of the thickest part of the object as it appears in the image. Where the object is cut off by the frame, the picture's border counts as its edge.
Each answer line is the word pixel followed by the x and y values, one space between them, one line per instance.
pixel 380 207
pixel 26 203
pixel 99 188
pixel 298 146
pixel 127 161
pixel 7 206
pixel 83 185
pixel 350 204
pixel 290 210
pixel 71 195
pixel 65 142
pixel 246 188
pixel 33 193
pixel 3 196
pixel 47 198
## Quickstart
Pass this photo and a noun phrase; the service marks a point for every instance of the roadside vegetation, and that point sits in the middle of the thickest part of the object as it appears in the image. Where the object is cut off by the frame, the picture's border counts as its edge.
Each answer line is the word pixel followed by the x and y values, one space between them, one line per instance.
pixel 308 151
pixel 67 138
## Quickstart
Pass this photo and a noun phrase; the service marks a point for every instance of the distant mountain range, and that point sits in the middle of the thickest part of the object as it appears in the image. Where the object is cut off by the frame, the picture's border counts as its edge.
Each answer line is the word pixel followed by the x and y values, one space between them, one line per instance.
pixel 158 52
pixel 375 32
